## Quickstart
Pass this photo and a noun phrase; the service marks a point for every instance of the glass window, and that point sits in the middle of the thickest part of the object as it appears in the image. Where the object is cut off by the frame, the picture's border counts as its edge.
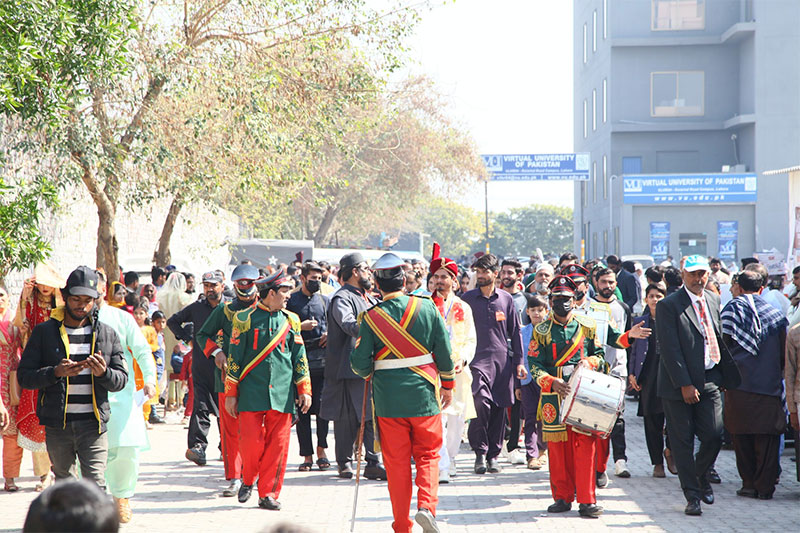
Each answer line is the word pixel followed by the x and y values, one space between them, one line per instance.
pixel 594 244
pixel 594 31
pixel 594 109
pixel 605 19
pixel 605 99
pixel 605 177
pixel 616 240
pixel 594 182
pixel 677 94
pixel 605 242
pixel 585 119
pixel 585 44
pixel 675 15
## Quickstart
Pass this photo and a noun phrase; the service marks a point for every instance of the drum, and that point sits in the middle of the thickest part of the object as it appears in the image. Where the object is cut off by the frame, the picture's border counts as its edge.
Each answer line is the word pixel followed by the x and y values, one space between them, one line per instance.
pixel 594 401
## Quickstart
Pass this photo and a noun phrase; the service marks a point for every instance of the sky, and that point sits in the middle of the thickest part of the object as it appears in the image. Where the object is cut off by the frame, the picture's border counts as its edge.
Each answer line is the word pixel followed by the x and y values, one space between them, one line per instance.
pixel 506 67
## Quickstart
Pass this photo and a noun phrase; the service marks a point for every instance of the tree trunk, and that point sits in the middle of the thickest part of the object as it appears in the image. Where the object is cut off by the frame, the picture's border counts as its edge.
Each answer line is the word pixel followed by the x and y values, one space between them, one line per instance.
pixel 325 225
pixel 163 256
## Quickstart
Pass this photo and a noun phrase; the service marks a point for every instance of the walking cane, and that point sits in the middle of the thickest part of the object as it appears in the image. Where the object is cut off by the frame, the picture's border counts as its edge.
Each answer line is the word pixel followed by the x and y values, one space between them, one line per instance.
pixel 359 442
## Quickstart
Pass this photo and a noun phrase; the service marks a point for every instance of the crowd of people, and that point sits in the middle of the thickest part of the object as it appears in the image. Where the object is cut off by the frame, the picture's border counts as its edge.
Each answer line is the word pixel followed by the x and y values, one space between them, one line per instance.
pixel 404 359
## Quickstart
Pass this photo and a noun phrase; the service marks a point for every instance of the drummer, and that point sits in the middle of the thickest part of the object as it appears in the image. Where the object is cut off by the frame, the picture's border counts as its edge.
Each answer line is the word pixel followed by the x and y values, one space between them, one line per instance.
pixel 557 346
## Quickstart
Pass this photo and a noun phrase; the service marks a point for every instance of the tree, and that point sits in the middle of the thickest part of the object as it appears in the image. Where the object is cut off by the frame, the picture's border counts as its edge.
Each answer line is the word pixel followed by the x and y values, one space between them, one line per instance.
pixel 457 228
pixel 114 61
pixel 519 231
pixel 396 152
pixel 20 210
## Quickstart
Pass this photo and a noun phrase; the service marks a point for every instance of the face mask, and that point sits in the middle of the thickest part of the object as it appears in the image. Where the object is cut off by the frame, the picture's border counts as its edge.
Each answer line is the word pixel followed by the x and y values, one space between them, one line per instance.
pixel 579 295
pixel 562 306
pixel 313 285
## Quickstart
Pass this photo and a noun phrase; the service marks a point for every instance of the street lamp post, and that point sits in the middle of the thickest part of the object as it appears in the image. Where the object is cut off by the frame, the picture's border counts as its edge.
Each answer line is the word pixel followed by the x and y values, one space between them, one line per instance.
pixel 611 208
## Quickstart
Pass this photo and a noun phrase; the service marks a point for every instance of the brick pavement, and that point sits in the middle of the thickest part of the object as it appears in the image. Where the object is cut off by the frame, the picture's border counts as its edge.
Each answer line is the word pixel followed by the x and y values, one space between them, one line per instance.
pixel 175 495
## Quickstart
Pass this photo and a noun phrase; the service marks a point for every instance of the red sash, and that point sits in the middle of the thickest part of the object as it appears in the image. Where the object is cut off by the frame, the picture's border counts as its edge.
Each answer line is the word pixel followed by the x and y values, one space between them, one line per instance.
pixel 398 340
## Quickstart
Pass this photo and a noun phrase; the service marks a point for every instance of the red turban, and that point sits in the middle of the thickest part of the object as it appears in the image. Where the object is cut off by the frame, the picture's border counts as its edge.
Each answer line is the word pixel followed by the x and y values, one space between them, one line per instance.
pixel 442 262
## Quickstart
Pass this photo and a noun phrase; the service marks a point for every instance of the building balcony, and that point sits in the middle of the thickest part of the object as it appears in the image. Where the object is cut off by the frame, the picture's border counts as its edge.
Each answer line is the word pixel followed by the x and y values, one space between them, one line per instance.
pixel 733 35
pixel 655 126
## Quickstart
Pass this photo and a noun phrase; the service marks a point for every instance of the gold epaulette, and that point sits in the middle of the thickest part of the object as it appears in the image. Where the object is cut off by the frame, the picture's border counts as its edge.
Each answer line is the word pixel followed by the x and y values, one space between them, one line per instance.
pixel 294 320
pixel 226 308
pixel 541 333
pixel 241 319
pixel 588 324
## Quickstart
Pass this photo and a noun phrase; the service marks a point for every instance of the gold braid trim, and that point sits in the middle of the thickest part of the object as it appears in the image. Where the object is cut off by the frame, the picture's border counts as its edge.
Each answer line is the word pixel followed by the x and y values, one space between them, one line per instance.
pixel 541 333
pixel 229 313
pixel 241 320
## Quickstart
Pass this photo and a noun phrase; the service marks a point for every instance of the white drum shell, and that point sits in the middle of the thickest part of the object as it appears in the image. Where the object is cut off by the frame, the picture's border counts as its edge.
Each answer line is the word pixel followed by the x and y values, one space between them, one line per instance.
pixel 594 402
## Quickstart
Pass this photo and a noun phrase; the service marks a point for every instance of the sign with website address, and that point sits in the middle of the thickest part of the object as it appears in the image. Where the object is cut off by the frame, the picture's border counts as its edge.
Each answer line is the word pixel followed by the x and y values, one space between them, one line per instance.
pixel 723 188
pixel 538 167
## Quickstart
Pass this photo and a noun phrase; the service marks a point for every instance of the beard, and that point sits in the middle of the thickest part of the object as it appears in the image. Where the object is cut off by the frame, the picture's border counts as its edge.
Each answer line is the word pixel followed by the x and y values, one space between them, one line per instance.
pixel 76 317
pixel 606 293
pixel 213 296
pixel 508 283
pixel 365 283
pixel 541 287
pixel 484 282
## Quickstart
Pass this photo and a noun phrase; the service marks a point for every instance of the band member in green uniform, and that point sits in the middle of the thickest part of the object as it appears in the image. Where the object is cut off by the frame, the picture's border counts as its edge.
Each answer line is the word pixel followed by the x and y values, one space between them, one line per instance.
pixel 214 338
pixel 266 363
pixel 404 348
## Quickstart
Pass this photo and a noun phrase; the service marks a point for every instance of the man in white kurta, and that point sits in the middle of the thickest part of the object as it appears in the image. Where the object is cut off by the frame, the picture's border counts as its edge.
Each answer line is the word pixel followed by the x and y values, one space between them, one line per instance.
pixel 463 339
pixel 127 434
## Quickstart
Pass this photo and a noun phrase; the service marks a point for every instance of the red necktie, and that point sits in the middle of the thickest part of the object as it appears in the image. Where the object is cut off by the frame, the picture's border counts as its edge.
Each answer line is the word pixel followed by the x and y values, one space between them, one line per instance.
pixel 711 338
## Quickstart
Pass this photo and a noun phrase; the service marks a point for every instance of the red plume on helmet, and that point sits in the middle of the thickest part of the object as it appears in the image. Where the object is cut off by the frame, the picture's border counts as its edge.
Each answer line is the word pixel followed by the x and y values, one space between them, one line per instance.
pixel 442 262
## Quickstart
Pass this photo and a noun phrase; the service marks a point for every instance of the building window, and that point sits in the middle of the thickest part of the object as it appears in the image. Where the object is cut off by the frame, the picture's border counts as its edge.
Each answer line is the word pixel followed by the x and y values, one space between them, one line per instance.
pixel 594 182
pixel 594 244
pixel 594 109
pixel 594 31
pixel 675 15
pixel 585 119
pixel 605 99
pixel 677 94
pixel 605 177
pixel 605 19
pixel 605 242
pixel 585 44
pixel 616 240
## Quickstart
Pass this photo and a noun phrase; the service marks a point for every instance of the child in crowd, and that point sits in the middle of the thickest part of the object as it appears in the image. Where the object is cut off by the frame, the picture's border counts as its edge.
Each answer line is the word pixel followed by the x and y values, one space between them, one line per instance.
pixel 142 320
pixel 528 393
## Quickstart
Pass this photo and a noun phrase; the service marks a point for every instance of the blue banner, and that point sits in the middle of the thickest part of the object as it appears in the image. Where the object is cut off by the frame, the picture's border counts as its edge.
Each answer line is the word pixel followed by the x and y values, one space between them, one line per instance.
pixel 728 238
pixel 533 167
pixel 690 189
pixel 659 240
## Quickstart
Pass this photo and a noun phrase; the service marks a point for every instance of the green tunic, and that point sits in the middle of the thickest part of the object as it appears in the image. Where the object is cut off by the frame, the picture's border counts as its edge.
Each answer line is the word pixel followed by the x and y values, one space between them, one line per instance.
pixel 269 384
pixel 402 392
pixel 216 333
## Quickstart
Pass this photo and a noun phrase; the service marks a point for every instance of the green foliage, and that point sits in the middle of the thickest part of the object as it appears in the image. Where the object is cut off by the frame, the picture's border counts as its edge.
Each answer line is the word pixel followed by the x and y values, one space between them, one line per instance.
pixel 51 49
pixel 20 211
pixel 457 228
pixel 519 231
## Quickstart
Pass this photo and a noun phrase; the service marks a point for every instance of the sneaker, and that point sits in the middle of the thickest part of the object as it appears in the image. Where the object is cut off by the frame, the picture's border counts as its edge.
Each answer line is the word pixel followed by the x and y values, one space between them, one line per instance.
pixel 197 456
pixel 517 457
pixel 453 469
pixel 621 468
pixel 601 480
pixel 444 476
pixel 233 488
pixel 426 519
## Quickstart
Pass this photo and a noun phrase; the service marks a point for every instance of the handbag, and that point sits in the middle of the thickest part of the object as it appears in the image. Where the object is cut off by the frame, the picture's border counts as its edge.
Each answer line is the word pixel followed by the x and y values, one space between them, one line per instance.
pixel 14 390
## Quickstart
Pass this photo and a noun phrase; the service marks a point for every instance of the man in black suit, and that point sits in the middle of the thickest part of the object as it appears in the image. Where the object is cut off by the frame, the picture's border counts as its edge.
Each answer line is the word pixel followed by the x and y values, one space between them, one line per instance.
pixel 627 282
pixel 694 366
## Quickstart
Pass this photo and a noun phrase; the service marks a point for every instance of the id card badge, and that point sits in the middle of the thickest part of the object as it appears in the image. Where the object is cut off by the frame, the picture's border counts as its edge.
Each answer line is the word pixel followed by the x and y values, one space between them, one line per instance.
pixel 499 316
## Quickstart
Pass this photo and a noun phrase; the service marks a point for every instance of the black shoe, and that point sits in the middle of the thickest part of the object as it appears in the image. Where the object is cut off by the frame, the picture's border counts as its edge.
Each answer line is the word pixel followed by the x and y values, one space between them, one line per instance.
pixel 601 479
pixel 764 496
pixel 345 471
pixel 269 503
pixel 560 506
pixel 244 492
pixel 693 508
pixel 708 495
pixel 197 456
pixel 590 510
pixel 480 464
pixel 375 471
pixel 747 493
pixel 493 466
pixel 713 477
pixel 155 419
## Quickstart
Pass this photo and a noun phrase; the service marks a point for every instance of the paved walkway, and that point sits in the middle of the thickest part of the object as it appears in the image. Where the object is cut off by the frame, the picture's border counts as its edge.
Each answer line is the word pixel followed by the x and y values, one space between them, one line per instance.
pixel 175 495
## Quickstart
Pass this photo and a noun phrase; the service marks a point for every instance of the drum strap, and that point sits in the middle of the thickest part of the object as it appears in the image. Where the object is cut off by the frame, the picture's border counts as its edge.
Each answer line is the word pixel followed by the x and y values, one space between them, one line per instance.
pixel 550 415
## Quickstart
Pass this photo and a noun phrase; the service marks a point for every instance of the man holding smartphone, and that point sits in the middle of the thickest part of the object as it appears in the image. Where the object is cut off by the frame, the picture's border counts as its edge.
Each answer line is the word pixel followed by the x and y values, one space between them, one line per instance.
pixel 75 361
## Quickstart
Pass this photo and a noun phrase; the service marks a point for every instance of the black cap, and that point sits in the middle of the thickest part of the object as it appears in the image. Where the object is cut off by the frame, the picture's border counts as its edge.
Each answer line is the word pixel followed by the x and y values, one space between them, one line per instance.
pixel 351 260
pixel 82 281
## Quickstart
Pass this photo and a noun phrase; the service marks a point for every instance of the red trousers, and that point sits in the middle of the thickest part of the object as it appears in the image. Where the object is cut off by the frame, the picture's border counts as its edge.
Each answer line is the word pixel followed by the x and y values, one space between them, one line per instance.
pixel 229 429
pixel 601 458
pixel 419 437
pixel 572 468
pixel 264 445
